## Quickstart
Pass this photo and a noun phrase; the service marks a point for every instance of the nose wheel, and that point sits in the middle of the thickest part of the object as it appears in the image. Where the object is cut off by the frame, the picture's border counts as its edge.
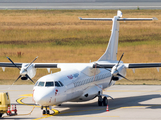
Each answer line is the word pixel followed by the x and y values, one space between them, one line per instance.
pixel 46 111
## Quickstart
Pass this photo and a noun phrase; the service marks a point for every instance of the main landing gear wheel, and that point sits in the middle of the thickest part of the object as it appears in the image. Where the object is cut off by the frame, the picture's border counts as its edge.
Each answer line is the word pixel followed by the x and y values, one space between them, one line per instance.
pixel 105 101
pixel 100 101
pixel 1 115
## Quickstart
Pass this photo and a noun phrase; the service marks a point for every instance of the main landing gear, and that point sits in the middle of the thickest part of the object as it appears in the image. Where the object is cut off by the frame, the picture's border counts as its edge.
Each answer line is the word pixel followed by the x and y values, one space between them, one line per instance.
pixel 103 101
pixel 46 111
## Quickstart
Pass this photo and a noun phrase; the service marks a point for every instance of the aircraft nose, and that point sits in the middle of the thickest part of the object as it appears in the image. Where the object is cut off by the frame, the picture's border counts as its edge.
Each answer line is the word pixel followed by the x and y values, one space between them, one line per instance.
pixel 43 97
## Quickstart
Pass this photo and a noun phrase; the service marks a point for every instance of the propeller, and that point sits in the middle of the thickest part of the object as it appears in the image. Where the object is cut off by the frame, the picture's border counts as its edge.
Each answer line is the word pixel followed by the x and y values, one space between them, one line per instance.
pixel 115 73
pixel 23 74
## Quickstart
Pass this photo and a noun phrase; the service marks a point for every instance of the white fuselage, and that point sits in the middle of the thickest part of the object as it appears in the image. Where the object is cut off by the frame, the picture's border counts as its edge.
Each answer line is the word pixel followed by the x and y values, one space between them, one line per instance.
pixel 71 85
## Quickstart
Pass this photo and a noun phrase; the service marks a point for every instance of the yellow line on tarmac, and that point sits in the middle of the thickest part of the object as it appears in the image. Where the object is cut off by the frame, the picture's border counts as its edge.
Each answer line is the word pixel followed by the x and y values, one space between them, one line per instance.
pixel 92 116
pixel 20 102
pixel 55 113
pixel 133 107
pixel 29 95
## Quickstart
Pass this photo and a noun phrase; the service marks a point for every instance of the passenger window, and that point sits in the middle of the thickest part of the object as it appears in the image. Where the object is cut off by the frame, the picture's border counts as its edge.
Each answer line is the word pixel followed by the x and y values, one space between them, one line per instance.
pixel 49 84
pixel 61 83
pixel 41 84
pixel 57 84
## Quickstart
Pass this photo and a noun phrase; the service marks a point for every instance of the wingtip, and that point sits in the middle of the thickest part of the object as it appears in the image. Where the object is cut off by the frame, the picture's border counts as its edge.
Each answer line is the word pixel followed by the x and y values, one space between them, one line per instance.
pixel 154 18
pixel 80 18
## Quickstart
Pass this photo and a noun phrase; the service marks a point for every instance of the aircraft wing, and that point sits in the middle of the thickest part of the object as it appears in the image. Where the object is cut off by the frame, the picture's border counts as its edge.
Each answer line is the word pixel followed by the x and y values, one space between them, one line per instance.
pixel 129 65
pixel 46 65
pixel 10 64
pixel 36 65
pixel 103 65
pixel 142 65
pixel 55 65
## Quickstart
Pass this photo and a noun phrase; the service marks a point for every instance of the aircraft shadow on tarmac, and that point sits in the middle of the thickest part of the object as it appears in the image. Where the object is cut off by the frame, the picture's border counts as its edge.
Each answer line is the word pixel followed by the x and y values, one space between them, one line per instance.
pixel 93 108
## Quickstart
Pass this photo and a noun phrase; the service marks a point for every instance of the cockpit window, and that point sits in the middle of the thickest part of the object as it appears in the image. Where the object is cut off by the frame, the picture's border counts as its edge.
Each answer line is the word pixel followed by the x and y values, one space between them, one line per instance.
pixel 41 84
pixel 57 84
pixel 61 83
pixel 49 84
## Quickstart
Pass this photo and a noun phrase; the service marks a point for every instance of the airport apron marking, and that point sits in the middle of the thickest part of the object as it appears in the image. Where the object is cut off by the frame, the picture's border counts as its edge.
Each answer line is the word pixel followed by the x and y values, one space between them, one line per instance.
pixel 30 95
pixel 57 112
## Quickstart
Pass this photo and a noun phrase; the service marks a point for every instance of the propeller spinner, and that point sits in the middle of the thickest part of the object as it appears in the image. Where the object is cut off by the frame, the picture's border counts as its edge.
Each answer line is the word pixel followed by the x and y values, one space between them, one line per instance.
pixel 115 71
pixel 23 71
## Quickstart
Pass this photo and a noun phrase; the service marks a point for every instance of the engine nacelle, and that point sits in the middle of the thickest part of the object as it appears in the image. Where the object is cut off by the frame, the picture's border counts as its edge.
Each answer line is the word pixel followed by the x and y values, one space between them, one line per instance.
pixel 30 71
pixel 91 93
pixel 121 69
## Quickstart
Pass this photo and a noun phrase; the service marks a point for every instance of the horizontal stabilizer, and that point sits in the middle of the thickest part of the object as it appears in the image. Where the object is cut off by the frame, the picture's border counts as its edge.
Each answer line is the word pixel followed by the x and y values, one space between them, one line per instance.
pixel 120 19
pixel 136 19
pixel 100 19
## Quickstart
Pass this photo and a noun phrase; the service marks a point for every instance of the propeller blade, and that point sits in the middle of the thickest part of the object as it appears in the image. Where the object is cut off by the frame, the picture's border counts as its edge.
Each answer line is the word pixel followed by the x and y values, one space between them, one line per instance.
pixel 120 59
pixel 124 78
pixel 13 62
pixel 16 79
pixel 30 78
pixel 31 62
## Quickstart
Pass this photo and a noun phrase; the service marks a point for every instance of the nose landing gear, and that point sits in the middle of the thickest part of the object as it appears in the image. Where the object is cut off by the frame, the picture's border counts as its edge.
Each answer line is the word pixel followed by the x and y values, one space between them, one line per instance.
pixel 46 111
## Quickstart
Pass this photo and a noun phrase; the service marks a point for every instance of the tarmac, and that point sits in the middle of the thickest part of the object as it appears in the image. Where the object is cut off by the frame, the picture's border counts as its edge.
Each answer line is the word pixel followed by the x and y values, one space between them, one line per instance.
pixel 141 102
pixel 79 4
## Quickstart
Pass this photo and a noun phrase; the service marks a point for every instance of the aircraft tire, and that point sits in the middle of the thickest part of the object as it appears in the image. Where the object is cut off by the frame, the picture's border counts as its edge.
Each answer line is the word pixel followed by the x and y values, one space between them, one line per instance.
pixel 48 112
pixel 44 112
pixel 59 105
pixel 99 101
pixel 105 101
pixel 1 115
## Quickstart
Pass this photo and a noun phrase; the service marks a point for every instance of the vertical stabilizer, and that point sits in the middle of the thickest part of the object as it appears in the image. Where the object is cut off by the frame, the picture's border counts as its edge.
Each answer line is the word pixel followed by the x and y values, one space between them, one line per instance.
pixel 111 51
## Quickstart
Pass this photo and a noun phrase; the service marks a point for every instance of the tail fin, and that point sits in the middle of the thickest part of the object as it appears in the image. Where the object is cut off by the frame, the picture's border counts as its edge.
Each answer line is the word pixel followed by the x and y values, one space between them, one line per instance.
pixel 111 51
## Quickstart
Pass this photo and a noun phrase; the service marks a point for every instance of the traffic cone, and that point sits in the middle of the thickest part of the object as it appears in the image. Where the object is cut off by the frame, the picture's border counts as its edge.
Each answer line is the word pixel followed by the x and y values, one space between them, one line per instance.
pixel 15 110
pixel 12 109
pixel 107 108
pixel 9 111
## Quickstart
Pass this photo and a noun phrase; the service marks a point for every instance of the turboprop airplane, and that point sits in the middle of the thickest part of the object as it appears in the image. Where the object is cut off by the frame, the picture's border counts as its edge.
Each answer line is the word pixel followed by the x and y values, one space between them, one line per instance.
pixel 77 82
